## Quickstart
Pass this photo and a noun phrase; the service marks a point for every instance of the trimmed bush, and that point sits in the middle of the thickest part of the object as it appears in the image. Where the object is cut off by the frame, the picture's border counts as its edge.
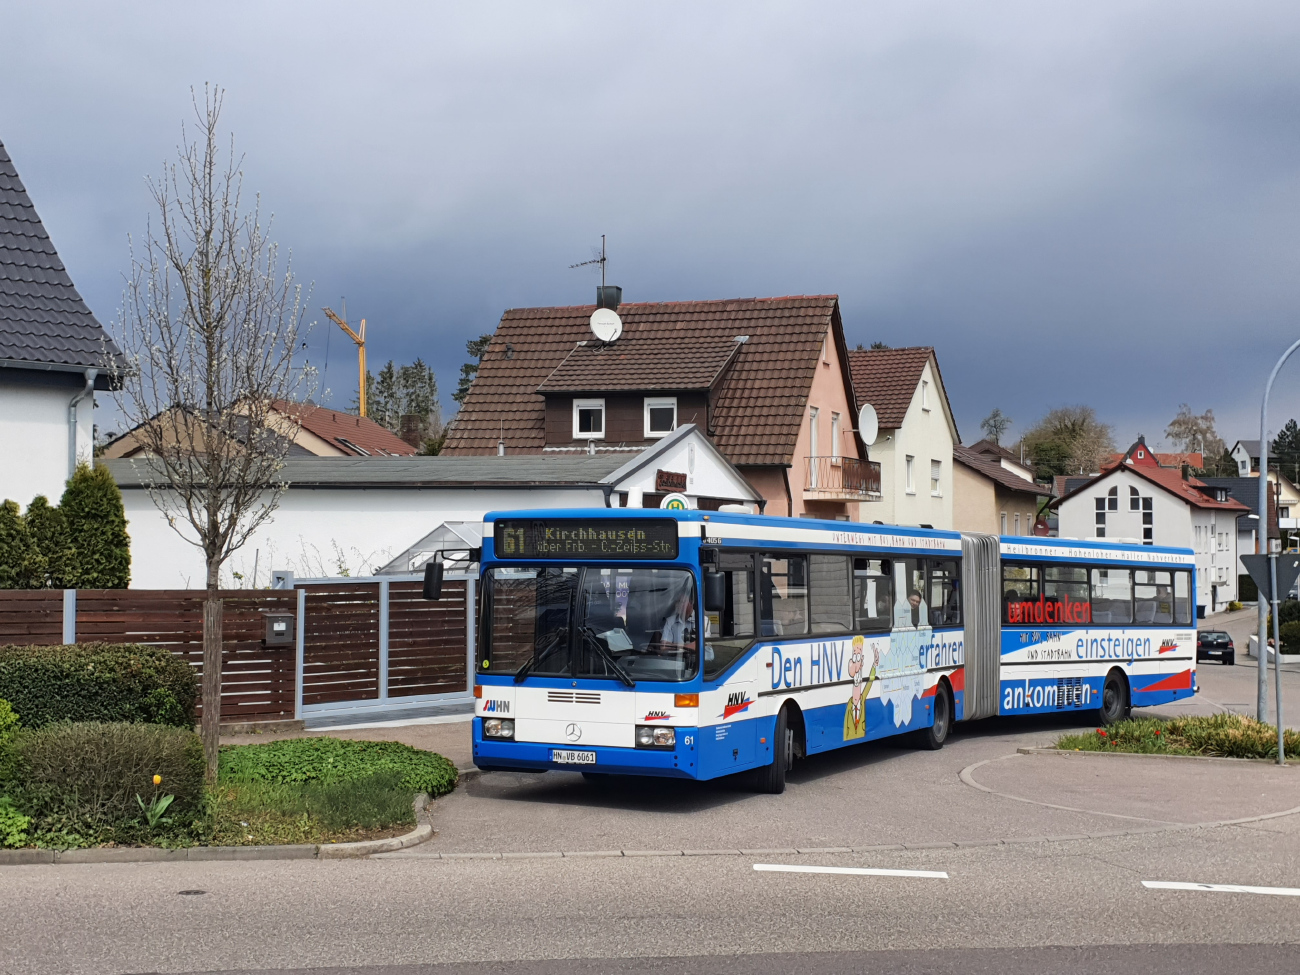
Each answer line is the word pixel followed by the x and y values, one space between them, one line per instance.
pixel 82 783
pixel 1290 633
pixel 98 682
pixel 96 525
pixel 8 720
pixel 335 760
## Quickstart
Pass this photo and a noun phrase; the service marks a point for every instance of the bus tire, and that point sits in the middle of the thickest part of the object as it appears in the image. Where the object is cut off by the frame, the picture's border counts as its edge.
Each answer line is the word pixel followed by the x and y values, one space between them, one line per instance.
pixel 1115 706
pixel 771 778
pixel 933 737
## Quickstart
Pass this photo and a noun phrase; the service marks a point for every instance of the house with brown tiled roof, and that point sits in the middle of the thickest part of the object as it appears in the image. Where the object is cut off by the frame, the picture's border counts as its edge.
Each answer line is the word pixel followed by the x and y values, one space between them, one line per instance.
pixel 1140 501
pixel 988 497
pixel 314 431
pixel 766 379
pixel 916 436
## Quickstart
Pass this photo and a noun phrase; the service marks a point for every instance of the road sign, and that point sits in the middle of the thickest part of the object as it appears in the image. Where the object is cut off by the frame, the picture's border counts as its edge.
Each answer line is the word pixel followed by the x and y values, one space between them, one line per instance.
pixel 1288 570
pixel 675 502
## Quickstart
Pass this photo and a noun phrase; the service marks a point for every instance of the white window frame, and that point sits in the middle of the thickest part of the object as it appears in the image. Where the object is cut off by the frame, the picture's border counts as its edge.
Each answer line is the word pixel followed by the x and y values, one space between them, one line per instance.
pixel 1003 530
pixel 589 404
pixel 1017 522
pixel 835 438
pixel 813 440
pixel 936 479
pixel 925 395
pixel 658 402
pixel 909 474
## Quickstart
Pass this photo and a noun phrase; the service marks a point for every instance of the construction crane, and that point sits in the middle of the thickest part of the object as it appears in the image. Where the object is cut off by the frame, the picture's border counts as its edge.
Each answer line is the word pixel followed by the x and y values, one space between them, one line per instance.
pixel 361 353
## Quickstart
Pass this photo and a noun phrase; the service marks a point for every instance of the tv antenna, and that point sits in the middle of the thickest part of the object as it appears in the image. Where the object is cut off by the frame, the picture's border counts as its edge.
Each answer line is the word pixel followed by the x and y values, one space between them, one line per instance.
pixel 596 260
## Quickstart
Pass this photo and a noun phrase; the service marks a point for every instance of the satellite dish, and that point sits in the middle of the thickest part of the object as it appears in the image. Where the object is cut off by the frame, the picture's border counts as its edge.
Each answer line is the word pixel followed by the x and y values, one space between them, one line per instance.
pixel 606 325
pixel 868 424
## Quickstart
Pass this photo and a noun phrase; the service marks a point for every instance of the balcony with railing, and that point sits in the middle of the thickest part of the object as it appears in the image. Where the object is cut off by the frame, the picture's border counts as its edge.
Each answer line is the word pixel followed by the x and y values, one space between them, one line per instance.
pixel 842 479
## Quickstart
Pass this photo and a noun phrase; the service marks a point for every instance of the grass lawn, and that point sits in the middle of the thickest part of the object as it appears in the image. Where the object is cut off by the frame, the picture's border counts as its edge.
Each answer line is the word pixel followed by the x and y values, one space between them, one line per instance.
pixel 1223 735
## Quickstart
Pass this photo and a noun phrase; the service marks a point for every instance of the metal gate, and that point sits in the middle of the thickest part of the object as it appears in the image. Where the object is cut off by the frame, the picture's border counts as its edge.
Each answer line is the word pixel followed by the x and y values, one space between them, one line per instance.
pixel 373 648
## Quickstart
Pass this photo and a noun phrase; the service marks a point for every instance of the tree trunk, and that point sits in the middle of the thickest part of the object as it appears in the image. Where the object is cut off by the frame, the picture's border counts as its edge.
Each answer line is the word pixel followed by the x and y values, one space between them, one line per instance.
pixel 210 724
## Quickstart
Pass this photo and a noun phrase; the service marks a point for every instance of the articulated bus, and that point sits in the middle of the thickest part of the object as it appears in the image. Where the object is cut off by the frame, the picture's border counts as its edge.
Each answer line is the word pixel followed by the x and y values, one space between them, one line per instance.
pixel 699 644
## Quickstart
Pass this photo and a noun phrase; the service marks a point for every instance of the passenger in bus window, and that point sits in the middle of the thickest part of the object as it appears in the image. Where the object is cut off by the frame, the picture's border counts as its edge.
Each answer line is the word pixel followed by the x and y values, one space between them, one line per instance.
pixel 679 628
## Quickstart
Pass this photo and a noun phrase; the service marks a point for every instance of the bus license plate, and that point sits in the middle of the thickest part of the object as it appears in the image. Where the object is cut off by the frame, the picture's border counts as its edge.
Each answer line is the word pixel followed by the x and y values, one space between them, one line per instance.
pixel 572 758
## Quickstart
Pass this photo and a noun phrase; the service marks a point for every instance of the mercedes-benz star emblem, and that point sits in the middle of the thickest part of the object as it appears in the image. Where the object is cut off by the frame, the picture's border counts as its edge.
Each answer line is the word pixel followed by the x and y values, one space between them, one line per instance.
pixel 572 732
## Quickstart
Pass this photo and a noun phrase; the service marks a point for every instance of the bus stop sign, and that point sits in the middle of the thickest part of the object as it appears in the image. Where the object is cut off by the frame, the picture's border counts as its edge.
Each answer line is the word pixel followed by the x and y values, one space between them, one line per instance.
pixel 1288 569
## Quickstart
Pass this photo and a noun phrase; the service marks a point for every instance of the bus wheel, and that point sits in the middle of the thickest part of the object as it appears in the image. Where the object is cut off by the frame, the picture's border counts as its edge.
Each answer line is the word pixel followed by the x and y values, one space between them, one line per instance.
pixel 1114 699
pixel 771 778
pixel 934 736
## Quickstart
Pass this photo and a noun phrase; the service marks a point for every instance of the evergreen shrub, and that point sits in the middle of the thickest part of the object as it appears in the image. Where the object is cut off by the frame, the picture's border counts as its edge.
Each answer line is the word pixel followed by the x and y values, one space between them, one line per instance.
pixel 96 526
pixel 98 682
pixel 83 783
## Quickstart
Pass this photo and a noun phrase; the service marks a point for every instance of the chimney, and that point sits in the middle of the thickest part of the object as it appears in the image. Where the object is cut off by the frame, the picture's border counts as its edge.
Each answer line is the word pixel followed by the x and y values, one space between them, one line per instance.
pixel 410 428
pixel 609 296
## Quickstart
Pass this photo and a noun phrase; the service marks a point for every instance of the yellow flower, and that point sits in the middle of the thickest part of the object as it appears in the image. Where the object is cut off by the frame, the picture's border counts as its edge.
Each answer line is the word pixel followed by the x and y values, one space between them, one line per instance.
pixel 157 780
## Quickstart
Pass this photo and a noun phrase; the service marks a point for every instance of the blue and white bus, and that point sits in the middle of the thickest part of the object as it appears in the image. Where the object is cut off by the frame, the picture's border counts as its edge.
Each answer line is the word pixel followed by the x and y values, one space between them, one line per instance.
pixel 699 644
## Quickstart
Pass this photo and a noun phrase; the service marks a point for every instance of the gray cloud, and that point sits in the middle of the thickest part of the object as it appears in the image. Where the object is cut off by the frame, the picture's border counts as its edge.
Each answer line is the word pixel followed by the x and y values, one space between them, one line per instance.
pixel 1073 202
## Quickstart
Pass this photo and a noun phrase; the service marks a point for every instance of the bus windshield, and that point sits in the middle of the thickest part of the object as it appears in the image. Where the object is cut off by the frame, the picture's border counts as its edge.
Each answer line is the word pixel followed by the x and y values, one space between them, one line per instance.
pixel 626 624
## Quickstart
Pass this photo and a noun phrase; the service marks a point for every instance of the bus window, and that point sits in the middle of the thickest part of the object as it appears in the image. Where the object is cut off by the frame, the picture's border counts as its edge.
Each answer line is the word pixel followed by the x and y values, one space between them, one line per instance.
pixel 1182 598
pixel 642 619
pixel 783 595
pixel 909 594
pixel 1153 597
pixel 531 611
pixel 872 594
pixel 732 629
pixel 945 594
pixel 829 594
pixel 1020 585
pixel 1065 587
pixel 1112 595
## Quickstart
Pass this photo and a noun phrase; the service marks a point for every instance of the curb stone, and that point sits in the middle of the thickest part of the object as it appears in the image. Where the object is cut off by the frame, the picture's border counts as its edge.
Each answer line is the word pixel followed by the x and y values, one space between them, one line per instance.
pixel 297 851
pixel 1070 753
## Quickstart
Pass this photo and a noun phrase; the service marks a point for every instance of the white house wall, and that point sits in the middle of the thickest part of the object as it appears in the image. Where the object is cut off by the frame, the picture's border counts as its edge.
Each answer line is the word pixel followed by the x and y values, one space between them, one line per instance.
pixel 34 425
pixel 314 529
pixel 1174 523
pixel 926 435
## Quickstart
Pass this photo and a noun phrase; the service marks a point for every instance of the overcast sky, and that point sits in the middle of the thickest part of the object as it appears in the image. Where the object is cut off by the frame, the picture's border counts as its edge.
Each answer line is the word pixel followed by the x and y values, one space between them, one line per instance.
pixel 1073 202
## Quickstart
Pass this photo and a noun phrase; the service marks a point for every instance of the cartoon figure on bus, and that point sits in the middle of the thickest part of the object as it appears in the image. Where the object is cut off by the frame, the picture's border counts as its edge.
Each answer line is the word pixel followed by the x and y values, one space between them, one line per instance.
pixel 855 712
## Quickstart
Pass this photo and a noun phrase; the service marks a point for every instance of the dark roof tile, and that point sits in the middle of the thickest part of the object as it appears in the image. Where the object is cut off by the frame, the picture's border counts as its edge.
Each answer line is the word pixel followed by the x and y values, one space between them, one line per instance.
pixel 43 318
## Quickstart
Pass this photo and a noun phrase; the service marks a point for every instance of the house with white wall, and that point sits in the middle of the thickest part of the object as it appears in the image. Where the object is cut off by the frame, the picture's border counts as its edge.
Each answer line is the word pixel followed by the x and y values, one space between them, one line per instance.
pixel 354 515
pixel 1141 502
pixel 54 355
pixel 914 445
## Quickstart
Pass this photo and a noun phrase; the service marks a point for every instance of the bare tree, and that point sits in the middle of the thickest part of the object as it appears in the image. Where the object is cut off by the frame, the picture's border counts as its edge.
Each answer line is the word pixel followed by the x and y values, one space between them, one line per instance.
pixel 1069 440
pixel 210 327
pixel 995 425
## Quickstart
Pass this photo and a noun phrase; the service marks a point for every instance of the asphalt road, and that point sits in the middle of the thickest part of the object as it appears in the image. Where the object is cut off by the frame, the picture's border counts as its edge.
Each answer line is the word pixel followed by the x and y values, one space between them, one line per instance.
pixel 1020 894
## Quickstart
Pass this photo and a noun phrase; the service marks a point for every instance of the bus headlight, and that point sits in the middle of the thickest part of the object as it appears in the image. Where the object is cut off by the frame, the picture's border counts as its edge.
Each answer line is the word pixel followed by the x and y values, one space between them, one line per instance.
pixel 498 728
pixel 648 736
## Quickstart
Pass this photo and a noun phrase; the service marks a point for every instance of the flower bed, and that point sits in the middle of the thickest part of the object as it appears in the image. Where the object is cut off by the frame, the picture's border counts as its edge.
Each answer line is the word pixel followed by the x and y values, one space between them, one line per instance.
pixel 1222 735
pixel 70 785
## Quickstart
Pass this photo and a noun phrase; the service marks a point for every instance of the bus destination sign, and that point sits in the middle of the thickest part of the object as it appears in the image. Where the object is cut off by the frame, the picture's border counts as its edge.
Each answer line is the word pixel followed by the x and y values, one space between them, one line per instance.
pixel 623 538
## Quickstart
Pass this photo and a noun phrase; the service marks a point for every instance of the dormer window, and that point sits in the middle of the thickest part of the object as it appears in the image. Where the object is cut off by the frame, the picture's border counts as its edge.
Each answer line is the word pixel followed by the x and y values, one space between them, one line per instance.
pixel 588 419
pixel 660 416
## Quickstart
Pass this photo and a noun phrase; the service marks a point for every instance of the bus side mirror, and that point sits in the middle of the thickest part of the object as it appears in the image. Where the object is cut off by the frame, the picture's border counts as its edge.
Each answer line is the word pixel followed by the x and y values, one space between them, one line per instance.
pixel 715 592
pixel 433 578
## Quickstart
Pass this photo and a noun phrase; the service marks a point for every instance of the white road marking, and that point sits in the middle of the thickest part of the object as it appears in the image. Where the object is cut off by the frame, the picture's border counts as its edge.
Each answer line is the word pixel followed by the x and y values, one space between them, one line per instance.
pixel 1223 888
pixel 851 871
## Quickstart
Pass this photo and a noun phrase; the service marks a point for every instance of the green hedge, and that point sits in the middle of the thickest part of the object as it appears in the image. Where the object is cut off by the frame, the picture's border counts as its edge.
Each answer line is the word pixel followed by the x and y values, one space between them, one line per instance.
pixel 333 760
pixel 83 783
pixel 98 682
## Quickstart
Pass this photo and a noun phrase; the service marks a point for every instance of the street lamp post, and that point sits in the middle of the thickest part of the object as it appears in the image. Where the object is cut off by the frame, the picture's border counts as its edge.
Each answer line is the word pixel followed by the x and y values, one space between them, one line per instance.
pixel 1261 710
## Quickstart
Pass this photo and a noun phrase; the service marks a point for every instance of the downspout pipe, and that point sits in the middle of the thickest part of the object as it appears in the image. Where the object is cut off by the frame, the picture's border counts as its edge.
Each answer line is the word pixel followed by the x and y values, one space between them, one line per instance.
pixel 88 390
